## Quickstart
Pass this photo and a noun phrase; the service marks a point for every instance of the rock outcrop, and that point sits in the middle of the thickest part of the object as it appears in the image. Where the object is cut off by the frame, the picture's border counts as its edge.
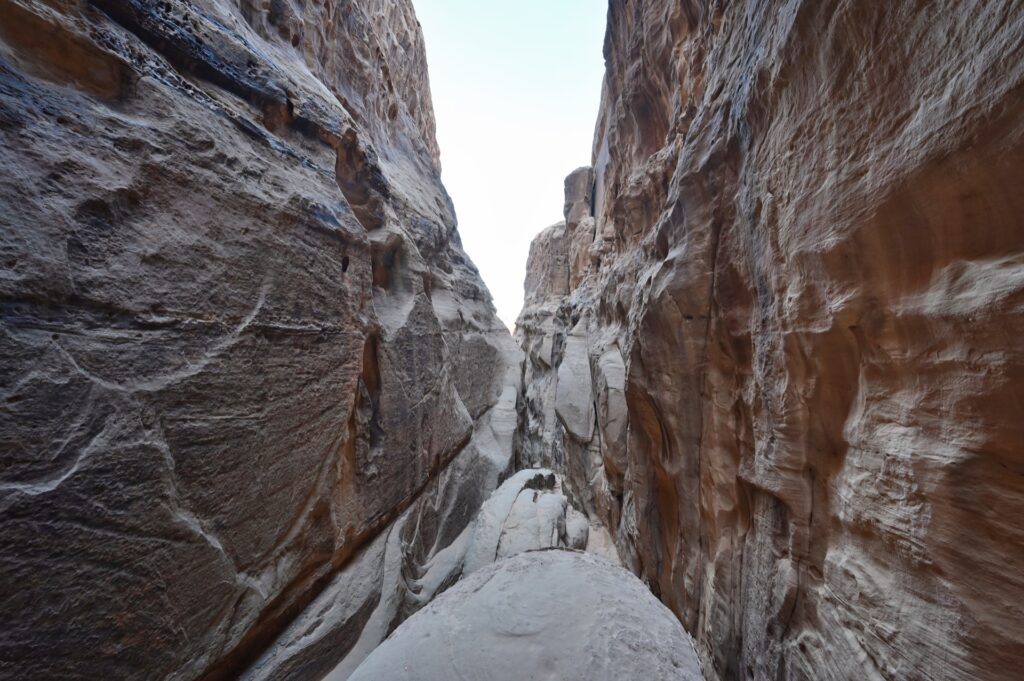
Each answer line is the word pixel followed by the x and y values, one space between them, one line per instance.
pixel 551 614
pixel 790 377
pixel 232 291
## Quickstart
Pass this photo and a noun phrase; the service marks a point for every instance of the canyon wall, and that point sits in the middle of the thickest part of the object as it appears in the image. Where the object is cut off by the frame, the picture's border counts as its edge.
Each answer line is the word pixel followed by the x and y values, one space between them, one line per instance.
pixel 776 346
pixel 232 430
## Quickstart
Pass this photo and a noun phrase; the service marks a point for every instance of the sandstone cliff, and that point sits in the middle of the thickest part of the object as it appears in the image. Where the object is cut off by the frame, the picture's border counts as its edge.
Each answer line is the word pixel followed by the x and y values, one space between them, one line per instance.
pixel 232 292
pixel 776 346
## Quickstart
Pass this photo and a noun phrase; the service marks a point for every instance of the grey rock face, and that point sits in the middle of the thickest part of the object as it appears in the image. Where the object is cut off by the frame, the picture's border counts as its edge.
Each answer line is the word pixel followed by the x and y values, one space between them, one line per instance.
pixel 549 274
pixel 411 561
pixel 540 615
pixel 574 402
pixel 231 292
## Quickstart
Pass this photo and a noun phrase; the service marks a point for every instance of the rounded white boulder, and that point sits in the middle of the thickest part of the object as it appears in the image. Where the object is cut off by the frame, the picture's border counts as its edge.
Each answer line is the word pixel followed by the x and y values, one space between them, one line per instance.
pixel 551 615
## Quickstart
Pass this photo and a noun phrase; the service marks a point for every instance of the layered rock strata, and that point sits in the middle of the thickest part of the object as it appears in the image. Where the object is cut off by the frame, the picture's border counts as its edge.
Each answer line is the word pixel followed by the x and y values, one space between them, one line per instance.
pixel 789 377
pixel 232 291
pixel 551 614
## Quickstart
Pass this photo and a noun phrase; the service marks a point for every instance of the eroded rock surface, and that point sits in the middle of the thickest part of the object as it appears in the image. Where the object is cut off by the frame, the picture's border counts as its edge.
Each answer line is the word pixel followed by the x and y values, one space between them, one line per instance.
pixel 800 324
pixel 400 572
pixel 551 614
pixel 231 291
pixel 528 512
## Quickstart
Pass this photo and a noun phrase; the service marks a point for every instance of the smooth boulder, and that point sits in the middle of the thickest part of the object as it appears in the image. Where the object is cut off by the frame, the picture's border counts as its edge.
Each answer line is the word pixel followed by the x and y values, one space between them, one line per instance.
pixel 552 615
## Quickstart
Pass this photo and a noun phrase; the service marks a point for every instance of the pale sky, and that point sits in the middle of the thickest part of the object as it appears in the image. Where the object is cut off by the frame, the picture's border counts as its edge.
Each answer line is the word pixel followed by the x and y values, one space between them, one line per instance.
pixel 516 87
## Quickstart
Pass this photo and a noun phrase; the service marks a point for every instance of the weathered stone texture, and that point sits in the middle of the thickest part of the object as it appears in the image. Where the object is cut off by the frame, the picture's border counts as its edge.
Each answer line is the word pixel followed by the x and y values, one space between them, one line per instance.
pixel 231 291
pixel 803 317
pixel 550 614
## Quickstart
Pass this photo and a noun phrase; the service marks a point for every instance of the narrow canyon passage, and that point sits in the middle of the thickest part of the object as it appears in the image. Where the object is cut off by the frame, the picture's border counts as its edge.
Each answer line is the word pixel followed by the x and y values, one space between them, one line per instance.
pixel 761 417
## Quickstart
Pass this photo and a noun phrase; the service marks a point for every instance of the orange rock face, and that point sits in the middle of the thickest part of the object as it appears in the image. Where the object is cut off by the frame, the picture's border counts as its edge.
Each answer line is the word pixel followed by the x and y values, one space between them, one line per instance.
pixel 808 259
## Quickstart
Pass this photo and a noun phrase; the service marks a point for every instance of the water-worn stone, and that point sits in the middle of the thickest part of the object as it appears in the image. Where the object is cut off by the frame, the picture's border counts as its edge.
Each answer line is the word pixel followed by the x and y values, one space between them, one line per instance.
pixel 809 256
pixel 231 292
pixel 574 401
pixel 527 512
pixel 539 615
pixel 401 571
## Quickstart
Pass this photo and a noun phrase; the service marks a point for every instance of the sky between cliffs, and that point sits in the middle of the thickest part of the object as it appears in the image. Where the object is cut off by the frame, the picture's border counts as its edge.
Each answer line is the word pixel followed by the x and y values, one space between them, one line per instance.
pixel 516 87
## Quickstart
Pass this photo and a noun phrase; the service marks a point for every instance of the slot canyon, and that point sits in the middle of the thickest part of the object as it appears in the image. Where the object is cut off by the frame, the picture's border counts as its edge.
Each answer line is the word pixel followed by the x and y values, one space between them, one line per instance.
pixel 761 417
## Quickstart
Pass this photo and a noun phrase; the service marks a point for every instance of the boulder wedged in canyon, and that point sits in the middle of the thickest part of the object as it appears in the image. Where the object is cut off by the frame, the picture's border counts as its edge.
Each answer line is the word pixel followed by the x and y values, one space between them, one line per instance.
pixel 800 327
pixel 526 512
pixel 550 614
pixel 232 291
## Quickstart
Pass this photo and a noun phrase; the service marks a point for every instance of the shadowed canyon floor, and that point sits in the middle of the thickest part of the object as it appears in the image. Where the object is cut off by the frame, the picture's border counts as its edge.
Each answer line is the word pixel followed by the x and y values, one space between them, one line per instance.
pixel 762 418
